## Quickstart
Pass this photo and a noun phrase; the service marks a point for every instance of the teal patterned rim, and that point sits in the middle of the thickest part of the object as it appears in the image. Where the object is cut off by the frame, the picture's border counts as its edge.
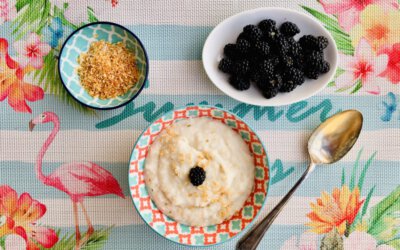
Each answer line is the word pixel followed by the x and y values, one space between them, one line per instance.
pixel 198 236
pixel 79 41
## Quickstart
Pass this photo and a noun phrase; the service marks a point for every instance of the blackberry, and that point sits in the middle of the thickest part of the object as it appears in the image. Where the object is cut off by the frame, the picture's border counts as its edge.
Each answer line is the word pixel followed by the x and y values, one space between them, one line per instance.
pixel 276 81
pixel 322 42
pixel 269 93
pixel 271 58
pixel 197 176
pixel 287 87
pixel 289 29
pixel 242 36
pixel 314 60
pixel 267 25
pixel 243 46
pixel 270 35
pixel 239 82
pixel 255 76
pixel 291 40
pixel 295 49
pixel 315 56
pixel 287 61
pixel 274 60
pixel 325 67
pixel 299 62
pixel 311 74
pixel 252 32
pixel 266 68
pixel 273 81
pixel 282 45
pixel 270 85
pixel 241 67
pixel 225 65
pixel 255 59
pixel 309 42
pixel 231 51
pixel 293 76
pixel 261 48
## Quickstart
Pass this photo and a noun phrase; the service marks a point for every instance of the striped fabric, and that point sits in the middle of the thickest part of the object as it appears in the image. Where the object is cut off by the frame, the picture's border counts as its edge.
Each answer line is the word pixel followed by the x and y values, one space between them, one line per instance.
pixel 173 32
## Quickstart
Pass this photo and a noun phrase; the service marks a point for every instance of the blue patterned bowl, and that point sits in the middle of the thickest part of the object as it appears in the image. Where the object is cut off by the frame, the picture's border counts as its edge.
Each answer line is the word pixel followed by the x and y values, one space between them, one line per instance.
pixel 79 41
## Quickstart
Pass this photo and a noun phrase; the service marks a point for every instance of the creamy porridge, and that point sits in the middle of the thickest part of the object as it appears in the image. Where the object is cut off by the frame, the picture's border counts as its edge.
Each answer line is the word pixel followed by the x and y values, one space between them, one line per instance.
pixel 199 172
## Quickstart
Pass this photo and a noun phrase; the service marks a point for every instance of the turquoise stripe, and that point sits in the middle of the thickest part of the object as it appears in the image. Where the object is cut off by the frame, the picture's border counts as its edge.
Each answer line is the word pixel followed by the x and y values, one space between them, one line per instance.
pixel 149 107
pixel 26 180
pixel 326 178
pixel 142 237
pixel 162 42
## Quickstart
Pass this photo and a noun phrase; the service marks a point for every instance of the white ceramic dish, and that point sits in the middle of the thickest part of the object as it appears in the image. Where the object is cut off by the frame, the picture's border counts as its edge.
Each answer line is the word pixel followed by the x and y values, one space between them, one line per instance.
pixel 229 29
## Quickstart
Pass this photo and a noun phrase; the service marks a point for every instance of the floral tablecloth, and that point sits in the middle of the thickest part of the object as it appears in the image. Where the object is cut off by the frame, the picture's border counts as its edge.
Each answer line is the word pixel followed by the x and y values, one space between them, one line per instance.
pixel 353 204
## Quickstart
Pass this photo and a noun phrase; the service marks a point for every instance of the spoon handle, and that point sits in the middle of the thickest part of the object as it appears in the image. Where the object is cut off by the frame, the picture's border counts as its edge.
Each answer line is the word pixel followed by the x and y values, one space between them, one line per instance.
pixel 251 240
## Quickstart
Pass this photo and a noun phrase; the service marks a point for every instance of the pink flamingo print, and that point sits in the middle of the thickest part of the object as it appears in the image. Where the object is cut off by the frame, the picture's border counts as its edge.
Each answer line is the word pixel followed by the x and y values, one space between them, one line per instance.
pixel 76 179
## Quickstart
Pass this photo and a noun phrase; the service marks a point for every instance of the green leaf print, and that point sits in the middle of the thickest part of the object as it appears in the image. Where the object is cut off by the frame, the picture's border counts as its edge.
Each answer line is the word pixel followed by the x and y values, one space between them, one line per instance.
pixel 32 17
pixel 343 181
pixel 331 84
pixel 353 184
pixel 48 78
pixel 354 171
pixel 338 72
pixel 357 87
pixel 364 171
pixel 21 3
pixel 384 219
pixel 343 41
pixel 367 200
pixel 394 243
pixel 360 215
pixel 96 241
pixel 2 242
pixel 91 17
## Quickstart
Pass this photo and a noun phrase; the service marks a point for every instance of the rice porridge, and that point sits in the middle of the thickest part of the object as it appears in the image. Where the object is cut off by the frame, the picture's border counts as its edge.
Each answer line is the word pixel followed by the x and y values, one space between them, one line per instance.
pixel 199 172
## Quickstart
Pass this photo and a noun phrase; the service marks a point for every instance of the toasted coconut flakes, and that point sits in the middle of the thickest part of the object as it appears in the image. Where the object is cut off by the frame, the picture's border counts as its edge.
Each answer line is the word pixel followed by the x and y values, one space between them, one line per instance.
pixel 107 70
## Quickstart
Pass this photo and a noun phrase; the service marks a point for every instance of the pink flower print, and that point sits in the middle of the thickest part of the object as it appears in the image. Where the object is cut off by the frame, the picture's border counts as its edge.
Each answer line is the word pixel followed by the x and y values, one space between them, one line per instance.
pixel 19 216
pixel 363 241
pixel 31 51
pixel 364 66
pixel 392 72
pixel 7 10
pixel 307 241
pixel 14 242
pixel 348 11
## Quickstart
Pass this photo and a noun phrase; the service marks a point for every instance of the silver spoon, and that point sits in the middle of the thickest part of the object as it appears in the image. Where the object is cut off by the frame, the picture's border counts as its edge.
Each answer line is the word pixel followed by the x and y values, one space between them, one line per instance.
pixel 327 144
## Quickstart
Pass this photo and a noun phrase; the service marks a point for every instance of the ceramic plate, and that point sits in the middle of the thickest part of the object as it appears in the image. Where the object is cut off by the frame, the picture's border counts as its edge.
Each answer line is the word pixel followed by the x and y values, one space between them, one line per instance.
pixel 187 235
pixel 79 41
pixel 227 32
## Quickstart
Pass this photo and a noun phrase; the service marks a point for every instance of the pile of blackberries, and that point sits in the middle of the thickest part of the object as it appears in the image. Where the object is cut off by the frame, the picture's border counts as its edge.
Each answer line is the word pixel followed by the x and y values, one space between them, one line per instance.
pixel 272 59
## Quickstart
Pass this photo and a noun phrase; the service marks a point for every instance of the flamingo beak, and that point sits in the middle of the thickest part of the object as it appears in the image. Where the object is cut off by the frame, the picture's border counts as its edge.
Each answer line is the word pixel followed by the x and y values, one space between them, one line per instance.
pixel 31 125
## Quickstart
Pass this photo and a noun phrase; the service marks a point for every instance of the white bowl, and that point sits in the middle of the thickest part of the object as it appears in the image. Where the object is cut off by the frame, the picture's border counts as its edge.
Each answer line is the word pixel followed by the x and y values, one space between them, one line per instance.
pixel 229 29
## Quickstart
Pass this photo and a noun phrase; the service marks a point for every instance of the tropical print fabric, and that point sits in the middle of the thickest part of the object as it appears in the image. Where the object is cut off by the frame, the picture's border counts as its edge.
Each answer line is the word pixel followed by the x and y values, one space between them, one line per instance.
pixel 353 204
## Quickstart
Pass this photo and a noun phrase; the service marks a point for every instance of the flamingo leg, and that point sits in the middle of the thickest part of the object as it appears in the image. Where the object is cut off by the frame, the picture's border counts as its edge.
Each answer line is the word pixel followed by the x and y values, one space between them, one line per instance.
pixel 89 223
pixel 76 220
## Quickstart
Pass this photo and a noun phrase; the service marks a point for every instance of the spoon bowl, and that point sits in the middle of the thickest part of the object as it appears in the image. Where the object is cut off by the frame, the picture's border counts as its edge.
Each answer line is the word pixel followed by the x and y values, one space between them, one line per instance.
pixel 329 142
